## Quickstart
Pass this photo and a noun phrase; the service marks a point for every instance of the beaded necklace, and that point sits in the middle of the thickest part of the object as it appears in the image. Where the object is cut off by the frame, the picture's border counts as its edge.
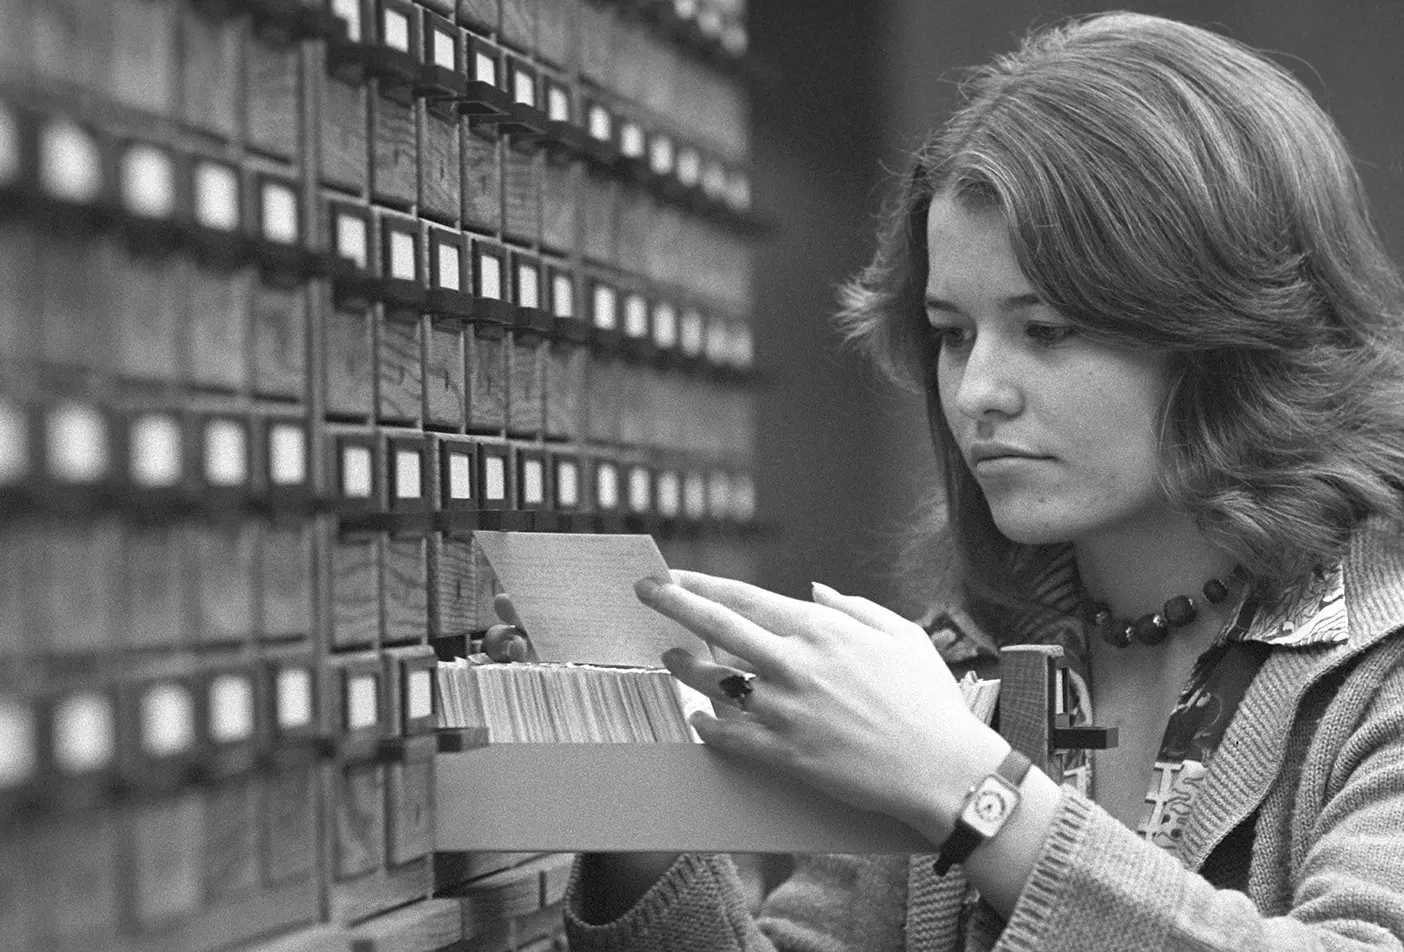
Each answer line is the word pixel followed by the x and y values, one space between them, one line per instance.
pixel 1153 627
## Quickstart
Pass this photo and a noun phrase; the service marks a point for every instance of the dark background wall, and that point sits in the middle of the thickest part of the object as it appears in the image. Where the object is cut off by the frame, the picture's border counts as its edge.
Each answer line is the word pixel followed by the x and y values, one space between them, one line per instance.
pixel 845 89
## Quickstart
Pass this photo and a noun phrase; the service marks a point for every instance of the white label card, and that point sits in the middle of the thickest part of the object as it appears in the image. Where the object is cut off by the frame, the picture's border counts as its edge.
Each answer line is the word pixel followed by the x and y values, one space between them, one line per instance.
pixel 601 124
pixel 661 155
pixel 669 494
pixel 460 476
pixel 84 733
pixel 77 443
pixel 567 483
pixel 489 276
pixel 557 103
pixel 402 256
pixel 148 182
pixel 421 694
pixel 356 472
pixel 719 494
pixel 607 486
pixel 689 167
pixel 638 489
pixel 280 213
pixel 635 316
pixel 450 265
pixel 294 698
pixel 408 473
pixel 350 11
pixel 528 285
pixel 167 720
pixel 484 68
pixel 495 477
pixel 524 87
pixel 287 454
pixel 156 451
pixel 216 196
pixel 695 495
pixel 395 30
pixel 352 239
pixel 70 163
pixel 9 146
pixel 14 443
pixel 693 333
pixel 631 140
pixel 231 709
pixel 445 50
pixel 606 307
pixel 533 482
pixel 562 296
pixel 226 453
pixel 362 702
pixel 18 758
pixel 665 325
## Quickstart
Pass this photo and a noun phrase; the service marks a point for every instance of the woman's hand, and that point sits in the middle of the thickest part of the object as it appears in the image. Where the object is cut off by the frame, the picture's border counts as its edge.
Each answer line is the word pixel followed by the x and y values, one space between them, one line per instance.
pixel 849 695
pixel 508 641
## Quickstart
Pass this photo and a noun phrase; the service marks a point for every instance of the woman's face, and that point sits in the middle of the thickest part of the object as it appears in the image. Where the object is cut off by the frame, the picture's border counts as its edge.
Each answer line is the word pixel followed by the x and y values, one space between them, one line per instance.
pixel 1059 431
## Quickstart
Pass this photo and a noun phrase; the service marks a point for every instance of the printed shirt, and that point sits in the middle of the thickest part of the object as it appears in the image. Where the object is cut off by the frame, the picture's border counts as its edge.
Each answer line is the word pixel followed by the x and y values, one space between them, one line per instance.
pixel 1312 616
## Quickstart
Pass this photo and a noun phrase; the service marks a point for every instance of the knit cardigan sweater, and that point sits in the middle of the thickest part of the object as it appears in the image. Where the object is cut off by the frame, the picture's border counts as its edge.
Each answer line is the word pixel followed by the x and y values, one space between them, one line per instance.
pixel 1315 754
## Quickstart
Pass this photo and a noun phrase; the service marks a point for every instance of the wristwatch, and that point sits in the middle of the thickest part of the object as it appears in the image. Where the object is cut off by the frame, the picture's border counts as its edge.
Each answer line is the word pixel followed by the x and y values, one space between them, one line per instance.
pixel 988 805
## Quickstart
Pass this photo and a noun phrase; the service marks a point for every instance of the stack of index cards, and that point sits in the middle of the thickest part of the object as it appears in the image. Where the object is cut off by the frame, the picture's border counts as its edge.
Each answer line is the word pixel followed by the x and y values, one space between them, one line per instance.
pixel 563 702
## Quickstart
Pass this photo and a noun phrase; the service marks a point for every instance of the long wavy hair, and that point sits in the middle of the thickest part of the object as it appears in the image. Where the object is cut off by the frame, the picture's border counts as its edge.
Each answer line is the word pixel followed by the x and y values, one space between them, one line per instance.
pixel 1166 187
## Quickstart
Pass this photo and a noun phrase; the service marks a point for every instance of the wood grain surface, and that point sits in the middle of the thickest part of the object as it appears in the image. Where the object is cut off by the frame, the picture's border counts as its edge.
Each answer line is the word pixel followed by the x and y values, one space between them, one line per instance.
pixel 399 369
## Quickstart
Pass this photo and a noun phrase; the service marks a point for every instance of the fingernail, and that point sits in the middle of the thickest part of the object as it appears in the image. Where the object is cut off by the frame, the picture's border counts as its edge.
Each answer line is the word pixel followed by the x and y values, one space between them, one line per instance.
pixel 819 588
pixel 646 588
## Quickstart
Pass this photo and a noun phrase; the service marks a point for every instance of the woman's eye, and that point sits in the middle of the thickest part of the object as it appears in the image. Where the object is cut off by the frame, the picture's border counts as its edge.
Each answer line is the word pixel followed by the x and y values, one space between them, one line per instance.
pixel 948 337
pixel 1049 335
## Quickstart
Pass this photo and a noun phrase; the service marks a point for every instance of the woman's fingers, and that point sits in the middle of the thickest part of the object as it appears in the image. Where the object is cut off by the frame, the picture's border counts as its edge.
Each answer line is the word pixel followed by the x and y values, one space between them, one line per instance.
pixel 507 643
pixel 869 613
pixel 714 623
pixel 769 610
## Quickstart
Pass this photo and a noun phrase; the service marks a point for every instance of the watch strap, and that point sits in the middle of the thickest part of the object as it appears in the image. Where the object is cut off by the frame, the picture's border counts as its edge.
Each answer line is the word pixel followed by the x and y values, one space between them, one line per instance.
pixel 965 838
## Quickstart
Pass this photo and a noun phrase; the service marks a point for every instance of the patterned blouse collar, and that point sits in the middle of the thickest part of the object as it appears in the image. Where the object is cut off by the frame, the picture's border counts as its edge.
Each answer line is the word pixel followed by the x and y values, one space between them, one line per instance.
pixel 1312 616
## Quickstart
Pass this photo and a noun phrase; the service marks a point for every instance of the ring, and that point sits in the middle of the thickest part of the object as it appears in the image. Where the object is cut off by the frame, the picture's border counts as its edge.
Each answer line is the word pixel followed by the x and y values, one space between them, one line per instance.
pixel 738 687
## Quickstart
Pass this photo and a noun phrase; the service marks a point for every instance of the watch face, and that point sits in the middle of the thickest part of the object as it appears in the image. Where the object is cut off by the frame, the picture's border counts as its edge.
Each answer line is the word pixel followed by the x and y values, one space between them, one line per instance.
pixel 990 806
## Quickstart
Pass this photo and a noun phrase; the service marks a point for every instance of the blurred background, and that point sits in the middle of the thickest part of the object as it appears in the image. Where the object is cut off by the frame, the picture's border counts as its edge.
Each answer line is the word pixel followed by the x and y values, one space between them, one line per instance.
pixel 842 455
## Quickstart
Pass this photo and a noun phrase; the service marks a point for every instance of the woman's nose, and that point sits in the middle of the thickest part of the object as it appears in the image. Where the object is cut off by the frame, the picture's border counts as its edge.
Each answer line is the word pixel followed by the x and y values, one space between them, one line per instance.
pixel 989 382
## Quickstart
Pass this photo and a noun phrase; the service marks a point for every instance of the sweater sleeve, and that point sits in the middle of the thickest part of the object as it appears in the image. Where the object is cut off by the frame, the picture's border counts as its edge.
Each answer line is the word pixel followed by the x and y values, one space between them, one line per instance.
pixel 1097 886
pixel 829 904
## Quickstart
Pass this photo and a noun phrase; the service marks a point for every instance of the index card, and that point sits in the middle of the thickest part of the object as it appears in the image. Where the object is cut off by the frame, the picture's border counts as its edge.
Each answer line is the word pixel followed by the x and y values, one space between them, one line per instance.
pixel 148 182
pixel 444 50
pixel 14 443
pixel 287 454
pixel 168 720
pixel 156 451
pixel 395 30
pixel 351 239
pixel 421 693
pixel 449 265
pixel 231 709
pixel 17 752
pixel 562 296
pixel 557 103
pixel 9 146
pixel 294 698
pixel 575 595
pixel 350 11
pixel 71 163
pixel 83 733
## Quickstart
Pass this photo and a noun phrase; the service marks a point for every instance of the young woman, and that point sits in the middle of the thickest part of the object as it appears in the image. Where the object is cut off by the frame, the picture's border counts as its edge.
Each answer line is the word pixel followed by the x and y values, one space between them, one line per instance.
pixel 1163 355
